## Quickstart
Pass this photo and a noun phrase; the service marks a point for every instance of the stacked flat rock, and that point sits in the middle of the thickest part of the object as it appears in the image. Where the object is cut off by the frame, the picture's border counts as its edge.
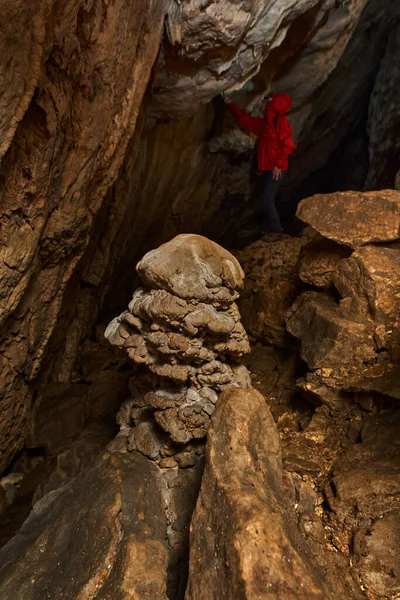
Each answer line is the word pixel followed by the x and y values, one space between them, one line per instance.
pixel 184 325
pixel 350 329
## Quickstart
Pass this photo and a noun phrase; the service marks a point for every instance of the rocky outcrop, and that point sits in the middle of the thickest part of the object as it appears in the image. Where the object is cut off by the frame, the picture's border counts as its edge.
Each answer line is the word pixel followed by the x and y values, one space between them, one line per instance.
pixel 185 327
pixel 240 42
pixel 244 538
pixel 75 118
pixel 74 77
pixel 353 343
pixel 318 260
pixel 101 536
pixel 368 477
pixel 354 219
pixel 271 285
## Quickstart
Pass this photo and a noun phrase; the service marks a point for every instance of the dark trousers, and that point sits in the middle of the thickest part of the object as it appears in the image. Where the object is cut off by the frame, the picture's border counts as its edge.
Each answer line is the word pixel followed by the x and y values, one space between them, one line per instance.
pixel 268 191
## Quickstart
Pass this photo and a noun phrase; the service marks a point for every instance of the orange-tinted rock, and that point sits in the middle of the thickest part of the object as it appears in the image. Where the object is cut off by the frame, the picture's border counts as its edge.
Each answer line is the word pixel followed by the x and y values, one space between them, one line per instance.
pixel 318 260
pixel 73 76
pixel 370 277
pixel 241 543
pixel 354 218
pixel 332 342
pixel 271 285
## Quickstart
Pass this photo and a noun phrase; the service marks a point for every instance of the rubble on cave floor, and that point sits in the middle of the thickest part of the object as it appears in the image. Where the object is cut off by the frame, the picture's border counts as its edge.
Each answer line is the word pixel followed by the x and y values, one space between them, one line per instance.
pixel 337 407
pixel 308 470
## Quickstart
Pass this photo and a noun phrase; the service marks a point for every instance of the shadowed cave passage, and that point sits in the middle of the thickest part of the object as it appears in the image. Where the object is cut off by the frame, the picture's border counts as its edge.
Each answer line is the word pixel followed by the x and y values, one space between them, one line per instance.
pixel 114 139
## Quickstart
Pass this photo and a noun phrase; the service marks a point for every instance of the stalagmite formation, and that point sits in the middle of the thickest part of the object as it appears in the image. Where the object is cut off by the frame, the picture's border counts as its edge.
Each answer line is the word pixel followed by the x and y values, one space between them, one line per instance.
pixel 185 327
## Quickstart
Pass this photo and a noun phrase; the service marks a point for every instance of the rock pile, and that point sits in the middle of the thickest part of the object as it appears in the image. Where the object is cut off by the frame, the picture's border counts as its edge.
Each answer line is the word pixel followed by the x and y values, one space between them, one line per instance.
pixel 184 325
pixel 349 330
pixel 271 286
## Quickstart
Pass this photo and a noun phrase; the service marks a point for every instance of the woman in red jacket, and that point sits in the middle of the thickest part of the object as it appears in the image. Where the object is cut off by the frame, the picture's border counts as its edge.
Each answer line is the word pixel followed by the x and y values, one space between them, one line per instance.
pixel 274 148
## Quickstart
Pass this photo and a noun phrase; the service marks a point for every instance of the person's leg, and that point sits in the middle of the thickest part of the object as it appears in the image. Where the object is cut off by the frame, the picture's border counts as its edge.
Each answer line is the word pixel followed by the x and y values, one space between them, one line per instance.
pixel 269 190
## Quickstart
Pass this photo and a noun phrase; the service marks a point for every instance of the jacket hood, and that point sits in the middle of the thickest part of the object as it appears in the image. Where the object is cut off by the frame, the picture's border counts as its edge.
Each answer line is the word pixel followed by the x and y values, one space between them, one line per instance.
pixel 280 103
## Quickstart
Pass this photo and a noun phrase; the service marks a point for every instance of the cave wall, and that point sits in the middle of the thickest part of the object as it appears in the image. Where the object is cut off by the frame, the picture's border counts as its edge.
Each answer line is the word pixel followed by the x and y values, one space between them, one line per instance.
pixel 70 112
pixel 107 146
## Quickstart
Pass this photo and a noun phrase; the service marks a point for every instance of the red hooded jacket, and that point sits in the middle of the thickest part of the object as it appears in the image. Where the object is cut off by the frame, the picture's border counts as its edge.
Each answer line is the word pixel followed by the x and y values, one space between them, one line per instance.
pixel 274 131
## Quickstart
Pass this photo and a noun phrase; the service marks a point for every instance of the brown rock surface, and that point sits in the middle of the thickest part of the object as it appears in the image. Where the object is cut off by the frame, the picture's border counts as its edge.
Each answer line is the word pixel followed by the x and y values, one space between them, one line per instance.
pixel 318 260
pixel 194 268
pixel 88 65
pixel 242 542
pixel 370 277
pixel 364 496
pixel 240 42
pixel 271 285
pixel 352 218
pixel 102 536
pixel 185 327
pixel 333 343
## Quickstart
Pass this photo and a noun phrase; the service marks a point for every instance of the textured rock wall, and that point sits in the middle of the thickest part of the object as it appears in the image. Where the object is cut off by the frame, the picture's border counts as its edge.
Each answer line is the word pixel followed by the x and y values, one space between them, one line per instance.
pixel 384 119
pixel 71 110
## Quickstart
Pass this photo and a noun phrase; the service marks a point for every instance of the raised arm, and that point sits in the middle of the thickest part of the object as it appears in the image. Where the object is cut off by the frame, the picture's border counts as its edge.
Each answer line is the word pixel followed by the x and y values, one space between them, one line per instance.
pixel 253 124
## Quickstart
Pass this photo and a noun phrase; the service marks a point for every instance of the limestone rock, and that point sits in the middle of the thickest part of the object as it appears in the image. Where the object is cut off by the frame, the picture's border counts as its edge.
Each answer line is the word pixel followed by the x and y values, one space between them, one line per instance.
pixel 271 285
pixel 58 417
pixel 242 42
pixel 101 536
pixel 368 474
pixel 194 268
pixel 318 260
pixel 189 335
pixel 370 277
pixel 333 343
pixel 367 478
pixel 241 529
pixel 73 76
pixel 376 549
pixel 353 218
pixel 80 455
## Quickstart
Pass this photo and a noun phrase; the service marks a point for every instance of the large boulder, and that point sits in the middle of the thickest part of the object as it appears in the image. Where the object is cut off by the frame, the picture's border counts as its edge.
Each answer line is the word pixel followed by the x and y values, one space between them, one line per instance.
pixel 354 218
pixel 364 497
pixel 271 285
pixel 100 537
pixel 370 278
pixel 318 260
pixel 242 543
pixel 333 342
